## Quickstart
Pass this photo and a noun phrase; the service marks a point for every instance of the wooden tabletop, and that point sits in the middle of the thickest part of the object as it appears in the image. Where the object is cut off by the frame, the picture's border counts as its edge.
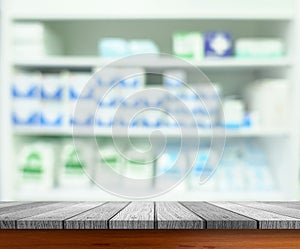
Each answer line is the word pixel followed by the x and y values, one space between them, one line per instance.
pixel 149 215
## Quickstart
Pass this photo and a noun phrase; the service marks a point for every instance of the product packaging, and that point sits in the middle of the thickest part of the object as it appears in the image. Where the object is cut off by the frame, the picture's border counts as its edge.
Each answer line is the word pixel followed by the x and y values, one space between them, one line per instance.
pixel 188 45
pixel 218 44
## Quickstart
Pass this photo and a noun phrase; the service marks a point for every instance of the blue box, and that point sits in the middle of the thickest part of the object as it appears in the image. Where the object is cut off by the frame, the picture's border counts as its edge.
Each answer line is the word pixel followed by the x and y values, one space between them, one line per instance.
pixel 217 44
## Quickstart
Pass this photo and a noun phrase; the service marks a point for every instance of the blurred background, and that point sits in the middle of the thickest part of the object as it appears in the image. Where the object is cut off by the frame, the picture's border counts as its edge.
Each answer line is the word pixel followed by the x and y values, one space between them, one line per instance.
pixel 249 50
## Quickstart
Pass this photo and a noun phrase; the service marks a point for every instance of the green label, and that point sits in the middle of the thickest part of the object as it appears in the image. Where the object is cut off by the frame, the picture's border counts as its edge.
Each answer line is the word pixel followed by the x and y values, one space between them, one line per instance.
pixel 33 164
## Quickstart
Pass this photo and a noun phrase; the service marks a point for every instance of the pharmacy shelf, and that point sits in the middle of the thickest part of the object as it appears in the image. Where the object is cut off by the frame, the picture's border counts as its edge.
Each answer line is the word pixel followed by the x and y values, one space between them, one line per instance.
pixel 273 18
pixel 96 194
pixel 145 132
pixel 150 62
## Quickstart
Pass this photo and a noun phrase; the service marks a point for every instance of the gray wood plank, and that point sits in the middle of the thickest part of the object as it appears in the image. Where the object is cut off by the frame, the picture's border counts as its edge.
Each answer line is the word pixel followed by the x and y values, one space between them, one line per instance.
pixel 147 215
pixel 10 203
pixel 137 215
pixel 97 218
pixel 172 215
pixel 291 212
pixel 21 206
pixel 289 204
pixel 266 220
pixel 5 207
pixel 54 219
pixel 219 218
pixel 9 220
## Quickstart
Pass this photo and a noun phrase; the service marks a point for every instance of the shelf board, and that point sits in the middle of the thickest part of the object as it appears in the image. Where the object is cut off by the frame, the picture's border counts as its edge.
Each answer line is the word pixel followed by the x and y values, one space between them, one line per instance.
pixel 145 132
pixel 152 62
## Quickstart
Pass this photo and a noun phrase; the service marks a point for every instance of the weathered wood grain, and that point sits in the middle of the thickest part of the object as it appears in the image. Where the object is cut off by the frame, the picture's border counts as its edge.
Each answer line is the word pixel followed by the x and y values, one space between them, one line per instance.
pixel 149 215
pixel 9 208
pixel 266 220
pixel 291 204
pixel 218 218
pixel 10 203
pixel 137 215
pixel 54 219
pixel 291 212
pixel 172 215
pixel 8 220
pixel 96 218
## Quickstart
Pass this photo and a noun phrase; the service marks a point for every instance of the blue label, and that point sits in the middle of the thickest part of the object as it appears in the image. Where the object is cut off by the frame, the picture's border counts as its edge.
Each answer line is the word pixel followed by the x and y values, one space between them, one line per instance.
pixel 57 95
pixel 57 122
pixel 33 119
pixel 31 92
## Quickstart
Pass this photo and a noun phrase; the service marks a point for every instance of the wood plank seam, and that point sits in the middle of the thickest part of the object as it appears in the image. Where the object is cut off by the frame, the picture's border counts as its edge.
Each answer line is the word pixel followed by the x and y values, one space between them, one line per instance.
pixel 163 215
pixel 257 221
pixel 48 220
pixel 137 215
pixel 64 221
pixel 95 218
pixel 14 221
pixel 204 220
pixel 173 215
pixel 219 218
pixel 108 226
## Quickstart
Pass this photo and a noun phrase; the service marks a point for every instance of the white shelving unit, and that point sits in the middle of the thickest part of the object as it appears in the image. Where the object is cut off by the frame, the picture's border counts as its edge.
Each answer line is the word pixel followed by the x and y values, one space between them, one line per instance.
pixel 82 23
